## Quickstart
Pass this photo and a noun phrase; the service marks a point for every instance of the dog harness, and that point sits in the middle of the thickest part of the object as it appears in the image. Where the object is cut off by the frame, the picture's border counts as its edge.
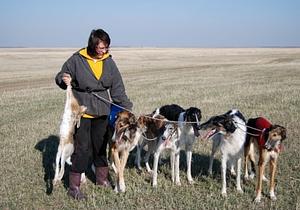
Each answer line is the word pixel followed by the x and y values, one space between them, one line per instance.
pixel 262 124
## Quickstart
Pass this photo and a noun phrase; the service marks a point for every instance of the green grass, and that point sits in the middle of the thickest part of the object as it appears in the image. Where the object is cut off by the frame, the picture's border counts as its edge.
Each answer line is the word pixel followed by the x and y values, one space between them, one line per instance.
pixel 259 82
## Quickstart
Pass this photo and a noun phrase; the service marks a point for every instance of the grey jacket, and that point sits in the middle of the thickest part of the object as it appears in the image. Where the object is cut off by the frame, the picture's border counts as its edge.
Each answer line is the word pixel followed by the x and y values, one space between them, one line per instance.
pixel 84 81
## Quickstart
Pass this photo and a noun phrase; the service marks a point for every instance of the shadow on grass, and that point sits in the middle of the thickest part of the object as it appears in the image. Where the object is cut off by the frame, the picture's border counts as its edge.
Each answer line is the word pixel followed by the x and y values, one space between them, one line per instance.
pixel 199 165
pixel 48 148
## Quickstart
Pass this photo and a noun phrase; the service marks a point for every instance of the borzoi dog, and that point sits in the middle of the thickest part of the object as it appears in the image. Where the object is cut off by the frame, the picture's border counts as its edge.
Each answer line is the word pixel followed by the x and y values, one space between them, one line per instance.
pixel 153 128
pixel 71 118
pixel 189 123
pixel 228 132
pixel 168 140
pixel 127 133
pixel 267 139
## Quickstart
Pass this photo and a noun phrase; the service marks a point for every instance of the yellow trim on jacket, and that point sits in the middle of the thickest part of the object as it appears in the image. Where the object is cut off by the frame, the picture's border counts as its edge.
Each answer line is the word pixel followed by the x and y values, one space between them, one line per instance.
pixel 96 66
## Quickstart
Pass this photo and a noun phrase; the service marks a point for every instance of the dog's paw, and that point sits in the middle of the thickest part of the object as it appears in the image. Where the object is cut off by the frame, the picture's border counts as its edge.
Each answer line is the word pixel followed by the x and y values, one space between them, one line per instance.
pixel 178 183
pixel 224 194
pixel 246 178
pixel 154 185
pixel 239 190
pixel 116 189
pixel 56 182
pixel 209 172
pixel 265 179
pixel 150 172
pixel 257 199
pixel 233 173
pixel 191 181
pixel 272 196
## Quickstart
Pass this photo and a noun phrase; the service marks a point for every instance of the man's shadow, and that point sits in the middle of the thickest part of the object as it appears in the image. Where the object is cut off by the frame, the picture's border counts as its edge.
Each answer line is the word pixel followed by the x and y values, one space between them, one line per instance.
pixel 48 148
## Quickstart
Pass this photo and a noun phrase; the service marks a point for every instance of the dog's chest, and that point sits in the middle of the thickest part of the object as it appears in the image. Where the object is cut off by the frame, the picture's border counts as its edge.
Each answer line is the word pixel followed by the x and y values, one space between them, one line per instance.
pixel 187 135
pixel 233 145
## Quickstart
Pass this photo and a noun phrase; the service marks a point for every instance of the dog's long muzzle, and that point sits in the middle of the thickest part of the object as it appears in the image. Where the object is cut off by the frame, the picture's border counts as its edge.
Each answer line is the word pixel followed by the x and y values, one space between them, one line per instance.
pixel 122 133
pixel 271 145
pixel 196 126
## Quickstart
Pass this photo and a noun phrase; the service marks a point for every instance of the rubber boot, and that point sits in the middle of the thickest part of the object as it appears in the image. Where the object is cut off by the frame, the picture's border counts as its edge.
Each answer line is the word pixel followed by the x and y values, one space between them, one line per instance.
pixel 102 176
pixel 74 186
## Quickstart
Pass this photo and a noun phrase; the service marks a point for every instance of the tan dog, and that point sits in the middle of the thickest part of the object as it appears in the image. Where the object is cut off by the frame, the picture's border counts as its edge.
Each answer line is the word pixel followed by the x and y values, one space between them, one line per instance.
pixel 267 138
pixel 153 127
pixel 126 136
pixel 71 118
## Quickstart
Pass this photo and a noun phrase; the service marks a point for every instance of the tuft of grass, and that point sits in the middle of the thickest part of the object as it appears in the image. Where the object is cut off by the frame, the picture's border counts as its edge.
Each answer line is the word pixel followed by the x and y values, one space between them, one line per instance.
pixel 259 82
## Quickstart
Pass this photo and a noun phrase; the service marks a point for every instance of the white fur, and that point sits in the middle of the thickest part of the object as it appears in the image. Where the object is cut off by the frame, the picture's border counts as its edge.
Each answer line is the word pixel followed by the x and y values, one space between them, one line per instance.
pixel 232 149
pixel 171 143
pixel 186 139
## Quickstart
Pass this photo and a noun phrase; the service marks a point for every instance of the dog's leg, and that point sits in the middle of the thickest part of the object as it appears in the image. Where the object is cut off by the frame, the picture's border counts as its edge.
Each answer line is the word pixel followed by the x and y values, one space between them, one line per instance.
pixel 232 170
pixel 123 161
pixel 116 162
pixel 58 156
pixel 151 148
pixel 246 157
pixel 261 168
pixel 155 168
pixel 214 149
pixel 273 165
pixel 137 160
pixel 177 161
pixel 238 175
pixel 223 174
pixel 252 161
pixel 189 169
pixel 172 163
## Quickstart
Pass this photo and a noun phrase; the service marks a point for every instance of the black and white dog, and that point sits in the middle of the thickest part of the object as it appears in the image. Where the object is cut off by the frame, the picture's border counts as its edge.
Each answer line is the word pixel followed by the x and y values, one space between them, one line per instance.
pixel 228 132
pixel 189 125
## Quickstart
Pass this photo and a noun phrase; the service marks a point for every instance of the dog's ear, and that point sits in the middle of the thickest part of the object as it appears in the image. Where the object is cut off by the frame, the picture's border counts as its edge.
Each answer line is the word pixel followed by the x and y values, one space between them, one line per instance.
pixel 282 131
pixel 132 119
pixel 141 120
pixel 159 123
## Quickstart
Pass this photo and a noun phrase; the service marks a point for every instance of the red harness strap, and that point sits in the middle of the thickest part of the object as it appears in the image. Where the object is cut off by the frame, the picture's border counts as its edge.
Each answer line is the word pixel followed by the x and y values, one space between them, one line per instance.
pixel 262 124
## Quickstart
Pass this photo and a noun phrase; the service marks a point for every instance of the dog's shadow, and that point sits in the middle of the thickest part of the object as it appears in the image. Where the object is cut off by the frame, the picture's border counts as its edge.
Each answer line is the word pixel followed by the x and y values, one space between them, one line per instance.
pixel 200 163
pixel 48 148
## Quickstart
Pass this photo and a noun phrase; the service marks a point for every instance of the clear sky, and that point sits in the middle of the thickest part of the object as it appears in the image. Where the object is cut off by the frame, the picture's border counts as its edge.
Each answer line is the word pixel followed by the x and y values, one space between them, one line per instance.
pixel 151 23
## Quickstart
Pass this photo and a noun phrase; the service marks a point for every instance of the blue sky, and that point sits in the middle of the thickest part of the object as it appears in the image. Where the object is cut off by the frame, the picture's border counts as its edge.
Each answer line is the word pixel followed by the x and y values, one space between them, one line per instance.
pixel 152 23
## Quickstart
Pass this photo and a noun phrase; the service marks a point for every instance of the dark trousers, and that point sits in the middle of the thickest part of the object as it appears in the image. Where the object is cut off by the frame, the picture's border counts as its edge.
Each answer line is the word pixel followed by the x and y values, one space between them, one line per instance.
pixel 90 141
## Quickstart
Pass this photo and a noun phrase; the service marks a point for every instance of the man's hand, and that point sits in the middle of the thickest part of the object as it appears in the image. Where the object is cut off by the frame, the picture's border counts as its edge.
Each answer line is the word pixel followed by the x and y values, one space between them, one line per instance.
pixel 67 79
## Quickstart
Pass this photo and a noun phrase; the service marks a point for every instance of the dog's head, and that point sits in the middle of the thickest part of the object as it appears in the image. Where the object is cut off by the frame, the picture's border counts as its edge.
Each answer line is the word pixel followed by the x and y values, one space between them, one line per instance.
pixel 193 114
pixel 275 135
pixel 223 124
pixel 151 125
pixel 125 127
pixel 171 132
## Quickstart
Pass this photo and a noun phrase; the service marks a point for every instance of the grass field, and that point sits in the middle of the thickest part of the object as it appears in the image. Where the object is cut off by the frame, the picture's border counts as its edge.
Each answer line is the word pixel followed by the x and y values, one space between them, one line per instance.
pixel 259 82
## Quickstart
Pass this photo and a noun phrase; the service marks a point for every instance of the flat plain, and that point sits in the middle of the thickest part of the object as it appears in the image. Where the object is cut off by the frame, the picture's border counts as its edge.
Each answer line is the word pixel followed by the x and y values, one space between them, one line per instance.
pixel 257 81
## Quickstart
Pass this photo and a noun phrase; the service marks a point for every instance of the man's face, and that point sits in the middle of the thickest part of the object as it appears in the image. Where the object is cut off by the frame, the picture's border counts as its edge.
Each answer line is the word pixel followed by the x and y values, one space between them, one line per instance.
pixel 101 49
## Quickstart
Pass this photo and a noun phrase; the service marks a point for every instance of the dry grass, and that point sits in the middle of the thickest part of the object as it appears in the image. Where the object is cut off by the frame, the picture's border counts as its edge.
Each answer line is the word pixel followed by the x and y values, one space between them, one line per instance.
pixel 263 82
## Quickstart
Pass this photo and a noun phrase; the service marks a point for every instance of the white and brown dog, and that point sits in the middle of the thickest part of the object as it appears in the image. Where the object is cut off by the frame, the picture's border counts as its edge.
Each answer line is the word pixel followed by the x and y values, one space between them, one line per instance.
pixel 71 119
pixel 169 140
pixel 189 123
pixel 153 127
pixel 127 133
pixel 228 133
pixel 267 138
